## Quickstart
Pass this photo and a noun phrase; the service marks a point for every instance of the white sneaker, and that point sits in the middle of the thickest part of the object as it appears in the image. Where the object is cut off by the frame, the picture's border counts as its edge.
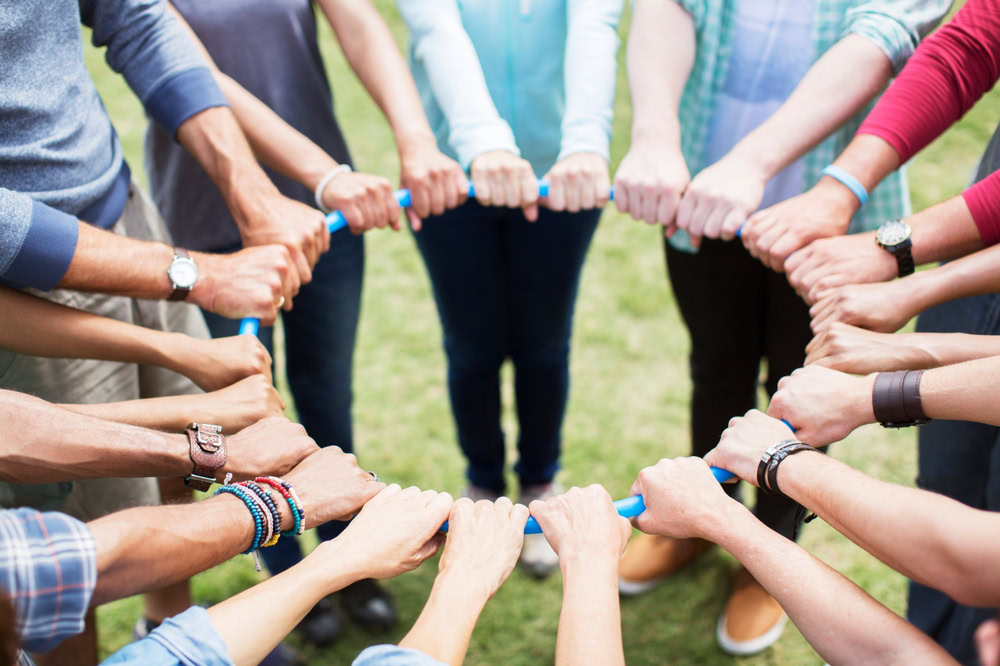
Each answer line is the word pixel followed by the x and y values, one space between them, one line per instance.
pixel 476 493
pixel 537 556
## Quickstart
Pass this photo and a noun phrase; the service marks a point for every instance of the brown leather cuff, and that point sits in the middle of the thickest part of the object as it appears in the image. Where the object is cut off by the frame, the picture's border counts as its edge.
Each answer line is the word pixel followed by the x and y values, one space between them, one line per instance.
pixel 896 399
pixel 208 453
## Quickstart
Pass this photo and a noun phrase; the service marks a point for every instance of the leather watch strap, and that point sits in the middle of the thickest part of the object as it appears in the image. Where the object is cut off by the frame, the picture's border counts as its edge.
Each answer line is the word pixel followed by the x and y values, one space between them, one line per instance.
pixel 904 258
pixel 208 454
pixel 180 293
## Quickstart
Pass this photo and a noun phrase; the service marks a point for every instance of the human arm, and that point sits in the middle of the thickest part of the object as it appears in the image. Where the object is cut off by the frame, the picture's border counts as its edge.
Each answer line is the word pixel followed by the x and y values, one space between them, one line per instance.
pixel 436 182
pixel 582 526
pixel 660 52
pixel 859 351
pixel 579 179
pixel 837 86
pixel 132 545
pixel 483 141
pixel 683 500
pixel 929 538
pixel 887 306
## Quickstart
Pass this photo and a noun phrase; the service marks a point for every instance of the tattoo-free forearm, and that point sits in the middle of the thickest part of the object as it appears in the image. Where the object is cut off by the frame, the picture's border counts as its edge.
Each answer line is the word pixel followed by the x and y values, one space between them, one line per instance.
pixel 445 625
pixel 930 538
pixel 861 630
pixel 169 413
pixel 964 392
pixel 590 620
pixel 43 443
pixel 975 274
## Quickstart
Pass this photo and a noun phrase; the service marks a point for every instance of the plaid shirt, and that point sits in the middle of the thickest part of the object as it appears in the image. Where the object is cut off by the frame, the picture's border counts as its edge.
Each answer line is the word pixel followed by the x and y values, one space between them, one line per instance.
pixel 895 26
pixel 48 568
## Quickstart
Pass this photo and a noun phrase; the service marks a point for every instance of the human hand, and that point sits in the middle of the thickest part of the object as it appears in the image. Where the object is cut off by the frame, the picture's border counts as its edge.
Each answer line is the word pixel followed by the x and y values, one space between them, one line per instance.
pixel 649 184
pixel 216 363
pixel 248 283
pixel 860 352
pixel 582 524
pixel 366 201
pixel 504 179
pixel 744 442
pixel 239 406
pixel 436 182
pixel 833 262
pixel 484 541
pixel 720 198
pixel 988 642
pixel 772 235
pixel 395 531
pixel 273 445
pixel 825 405
pixel 331 485
pixel 682 499
pixel 883 306
pixel 578 182
pixel 276 219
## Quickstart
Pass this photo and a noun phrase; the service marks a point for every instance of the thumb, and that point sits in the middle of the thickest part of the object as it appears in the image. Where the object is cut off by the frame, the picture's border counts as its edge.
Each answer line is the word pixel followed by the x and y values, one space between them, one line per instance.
pixel 415 222
pixel 531 213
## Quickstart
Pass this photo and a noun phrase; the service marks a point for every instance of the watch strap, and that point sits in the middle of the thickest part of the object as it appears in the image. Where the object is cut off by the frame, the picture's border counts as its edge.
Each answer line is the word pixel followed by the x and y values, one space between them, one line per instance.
pixel 179 293
pixel 896 399
pixel 904 257
pixel 208 454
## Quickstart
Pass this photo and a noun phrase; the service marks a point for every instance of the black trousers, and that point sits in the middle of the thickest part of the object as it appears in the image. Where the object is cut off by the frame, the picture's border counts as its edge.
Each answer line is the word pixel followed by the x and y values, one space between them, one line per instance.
pixel 738 312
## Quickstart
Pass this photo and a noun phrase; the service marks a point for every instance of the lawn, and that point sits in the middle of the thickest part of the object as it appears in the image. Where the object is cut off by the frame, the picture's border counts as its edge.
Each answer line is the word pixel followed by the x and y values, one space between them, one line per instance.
pixel 628 406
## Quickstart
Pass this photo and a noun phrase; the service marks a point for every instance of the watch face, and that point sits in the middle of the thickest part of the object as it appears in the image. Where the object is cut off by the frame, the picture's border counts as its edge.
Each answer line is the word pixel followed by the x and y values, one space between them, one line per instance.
pixel 893 233
pixel 183 273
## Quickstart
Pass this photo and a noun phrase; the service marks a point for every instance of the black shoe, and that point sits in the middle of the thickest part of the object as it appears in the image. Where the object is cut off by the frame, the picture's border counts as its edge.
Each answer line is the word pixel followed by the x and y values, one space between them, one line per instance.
pixel 282 655
pixel 323 625
pixel 369 605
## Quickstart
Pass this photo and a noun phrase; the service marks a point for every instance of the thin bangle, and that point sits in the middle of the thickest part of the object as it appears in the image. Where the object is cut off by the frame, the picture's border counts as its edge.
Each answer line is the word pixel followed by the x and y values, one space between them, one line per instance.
pixel 848 181
pixel 318 192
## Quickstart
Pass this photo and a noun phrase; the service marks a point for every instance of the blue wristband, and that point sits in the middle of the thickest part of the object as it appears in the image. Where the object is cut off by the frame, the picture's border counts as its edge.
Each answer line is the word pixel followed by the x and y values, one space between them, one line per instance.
pixel 849 181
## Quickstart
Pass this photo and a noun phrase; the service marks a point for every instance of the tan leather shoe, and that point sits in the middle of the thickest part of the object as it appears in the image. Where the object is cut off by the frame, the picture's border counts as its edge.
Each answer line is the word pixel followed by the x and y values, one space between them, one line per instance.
pixel 753 620
pixel 650 559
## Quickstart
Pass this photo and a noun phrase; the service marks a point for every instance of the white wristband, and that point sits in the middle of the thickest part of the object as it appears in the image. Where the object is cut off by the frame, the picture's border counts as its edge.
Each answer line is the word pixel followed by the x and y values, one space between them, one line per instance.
pixel 318 194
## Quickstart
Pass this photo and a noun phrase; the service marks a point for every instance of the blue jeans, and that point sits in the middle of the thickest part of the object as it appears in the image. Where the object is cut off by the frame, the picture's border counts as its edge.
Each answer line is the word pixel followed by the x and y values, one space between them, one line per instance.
pixel 960 460
pixel 319 348
pixel 506 288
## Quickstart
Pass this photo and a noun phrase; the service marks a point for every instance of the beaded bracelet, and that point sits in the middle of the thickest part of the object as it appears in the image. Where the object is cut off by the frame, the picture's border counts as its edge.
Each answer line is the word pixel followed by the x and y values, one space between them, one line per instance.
pixel 286 491
pixel 258 519
pixel 265 511
pixel 272 508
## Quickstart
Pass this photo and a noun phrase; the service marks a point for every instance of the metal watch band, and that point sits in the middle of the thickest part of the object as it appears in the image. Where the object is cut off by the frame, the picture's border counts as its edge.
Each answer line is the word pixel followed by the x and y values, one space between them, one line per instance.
pixel 208 454
pixel 904 258
pixel 896 399
pixel 180 293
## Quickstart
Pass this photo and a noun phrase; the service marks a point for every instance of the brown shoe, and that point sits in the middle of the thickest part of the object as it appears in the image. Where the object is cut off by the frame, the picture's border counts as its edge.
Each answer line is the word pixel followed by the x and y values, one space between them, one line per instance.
pixel 649 559
pixel 753 619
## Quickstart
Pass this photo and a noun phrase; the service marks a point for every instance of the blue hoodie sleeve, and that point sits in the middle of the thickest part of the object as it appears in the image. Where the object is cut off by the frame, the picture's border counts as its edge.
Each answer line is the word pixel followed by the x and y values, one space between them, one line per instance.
pixel 156 57
pixel 36 242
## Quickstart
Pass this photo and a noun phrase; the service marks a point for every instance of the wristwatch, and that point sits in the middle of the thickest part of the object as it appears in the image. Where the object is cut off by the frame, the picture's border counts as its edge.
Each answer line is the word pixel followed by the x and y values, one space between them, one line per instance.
pixel 894 238
pixel 182 274
pixel 208 453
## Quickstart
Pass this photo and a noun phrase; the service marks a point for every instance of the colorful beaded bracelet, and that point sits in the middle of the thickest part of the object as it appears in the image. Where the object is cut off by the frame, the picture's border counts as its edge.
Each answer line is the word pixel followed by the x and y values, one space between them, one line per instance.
pixel 272 508
pixel 258 519
pixel 286 491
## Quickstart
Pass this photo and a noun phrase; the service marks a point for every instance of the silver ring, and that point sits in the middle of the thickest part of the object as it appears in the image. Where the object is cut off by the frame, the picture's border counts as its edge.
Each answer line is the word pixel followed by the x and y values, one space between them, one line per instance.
pixel 374 476
pixel 281 302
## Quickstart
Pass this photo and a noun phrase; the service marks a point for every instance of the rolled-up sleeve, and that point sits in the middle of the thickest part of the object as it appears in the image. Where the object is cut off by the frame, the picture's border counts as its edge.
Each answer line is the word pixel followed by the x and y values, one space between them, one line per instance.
pixel 895 26
pixel 156 57
pixel 590 71
pixel 188 639
pixel 393 655
pixel 443 48
pixel 36 242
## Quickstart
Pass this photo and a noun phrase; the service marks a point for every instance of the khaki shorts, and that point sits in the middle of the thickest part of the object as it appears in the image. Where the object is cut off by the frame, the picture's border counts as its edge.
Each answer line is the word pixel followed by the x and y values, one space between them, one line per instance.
pixel 86 381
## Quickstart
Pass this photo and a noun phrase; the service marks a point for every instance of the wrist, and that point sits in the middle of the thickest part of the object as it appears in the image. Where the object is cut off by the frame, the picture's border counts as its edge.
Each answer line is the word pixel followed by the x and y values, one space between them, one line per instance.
pixel 337 564
pixel 657 136
pixel 414 141
pixel 863 409
pixel 838 199
pixel 592 561
pixel 461 589
pixel 203 292
pixel 754 160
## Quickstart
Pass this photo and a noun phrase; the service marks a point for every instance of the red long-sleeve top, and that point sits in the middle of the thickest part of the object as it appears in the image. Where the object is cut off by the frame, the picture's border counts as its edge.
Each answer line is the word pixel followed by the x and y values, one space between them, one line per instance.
pixel 946 76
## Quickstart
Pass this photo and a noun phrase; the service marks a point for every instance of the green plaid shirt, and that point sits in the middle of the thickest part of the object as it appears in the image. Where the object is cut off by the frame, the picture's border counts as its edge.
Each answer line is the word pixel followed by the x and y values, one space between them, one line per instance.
pixel 895 26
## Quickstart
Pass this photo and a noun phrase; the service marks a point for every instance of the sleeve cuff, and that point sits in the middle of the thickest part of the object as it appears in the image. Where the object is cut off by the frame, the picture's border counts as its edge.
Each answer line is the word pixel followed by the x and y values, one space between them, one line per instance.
pixel 47 250
pixel 474 140
pixel 983 200
pixel 191 636
pixel 393 655
pixel 887 34
pixel 182 96
pixel 591 138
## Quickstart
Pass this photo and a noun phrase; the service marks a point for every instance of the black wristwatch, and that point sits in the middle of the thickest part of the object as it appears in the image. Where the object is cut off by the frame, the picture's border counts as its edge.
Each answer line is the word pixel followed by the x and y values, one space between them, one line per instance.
pixel 894 238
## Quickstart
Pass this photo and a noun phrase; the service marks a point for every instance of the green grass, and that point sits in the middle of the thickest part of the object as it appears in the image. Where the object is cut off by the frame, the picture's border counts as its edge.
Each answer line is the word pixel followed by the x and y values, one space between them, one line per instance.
pixel 628 406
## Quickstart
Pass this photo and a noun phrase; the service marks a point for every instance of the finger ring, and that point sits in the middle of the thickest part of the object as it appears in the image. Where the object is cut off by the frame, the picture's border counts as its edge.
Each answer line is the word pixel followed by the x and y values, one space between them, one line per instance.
pixel 374 476
pixel 281 301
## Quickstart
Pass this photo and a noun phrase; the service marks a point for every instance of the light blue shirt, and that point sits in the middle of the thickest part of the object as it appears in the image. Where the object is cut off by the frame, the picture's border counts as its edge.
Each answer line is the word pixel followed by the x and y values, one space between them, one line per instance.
pixel 532 77
pixel 393 655
pixel 188 639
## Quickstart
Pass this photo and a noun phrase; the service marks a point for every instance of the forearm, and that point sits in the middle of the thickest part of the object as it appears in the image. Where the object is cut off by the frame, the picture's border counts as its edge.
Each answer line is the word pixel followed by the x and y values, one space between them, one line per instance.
pixel 963 392
pixel 445 625
pixel 941 349
pixel 862 630
pixel 590 620
pixel 930 538
pixel 372 53
pixel 975 274
pixel 169 413
pixel 836 87
pixel 660 54
pixel 44 443
pixel 148 548
pixel 107 263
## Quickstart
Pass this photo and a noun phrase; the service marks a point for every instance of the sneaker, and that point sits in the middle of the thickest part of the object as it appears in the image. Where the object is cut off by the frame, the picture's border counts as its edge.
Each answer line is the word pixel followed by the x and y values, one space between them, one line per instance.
pixel 144 627
pixel 650 559
pixel 323 624
pixel 477 493
pixel 537 556
pixel 369 605
pixel 753 620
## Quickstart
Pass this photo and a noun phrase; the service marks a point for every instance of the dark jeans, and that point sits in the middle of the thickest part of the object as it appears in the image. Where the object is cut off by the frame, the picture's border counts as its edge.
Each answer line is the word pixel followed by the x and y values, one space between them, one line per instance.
pixel 319 350
pixel 737 312
pixel 506 288
pixel 960 460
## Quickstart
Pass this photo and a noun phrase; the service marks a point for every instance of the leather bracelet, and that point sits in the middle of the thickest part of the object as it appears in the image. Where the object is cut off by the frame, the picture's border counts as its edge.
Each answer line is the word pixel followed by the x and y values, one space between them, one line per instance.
pixel 765 461
pixel 208 454
pixel 896 399
pixel 772 468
